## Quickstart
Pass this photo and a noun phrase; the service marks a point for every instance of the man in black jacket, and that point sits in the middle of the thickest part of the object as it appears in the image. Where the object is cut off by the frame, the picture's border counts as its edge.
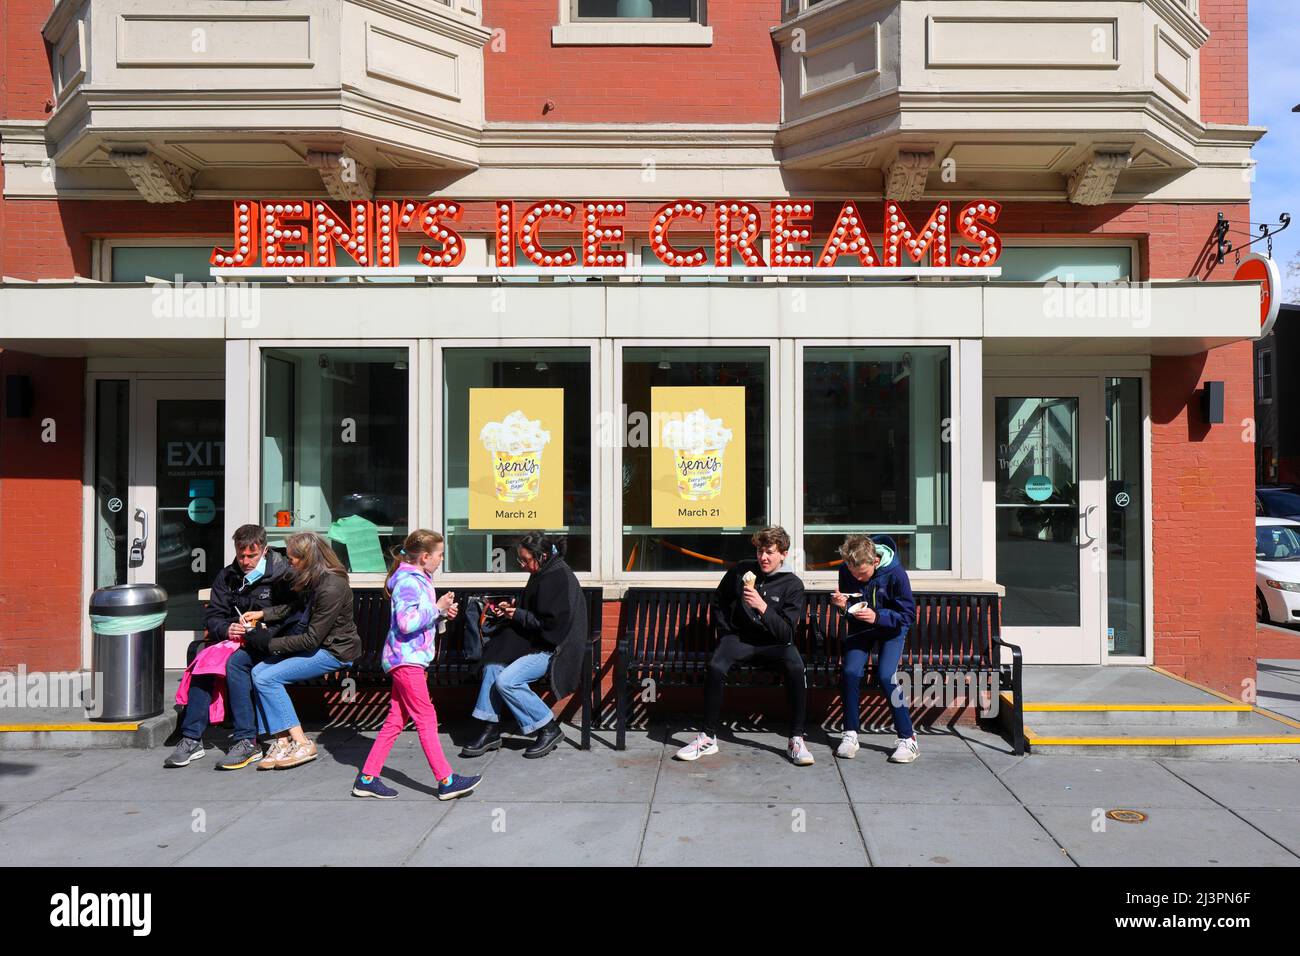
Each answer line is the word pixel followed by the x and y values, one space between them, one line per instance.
pixel 759 606
pixel 257 579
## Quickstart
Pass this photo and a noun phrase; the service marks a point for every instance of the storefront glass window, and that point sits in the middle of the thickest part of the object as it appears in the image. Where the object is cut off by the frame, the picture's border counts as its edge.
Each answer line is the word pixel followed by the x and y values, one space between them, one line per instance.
pixel 635 9
pixel 142 263
pixel 481 533
pixel 1066 263
pixel 336 449
pixel 677 540
pixel 112 472
pixel 877 452
pixel 1125 519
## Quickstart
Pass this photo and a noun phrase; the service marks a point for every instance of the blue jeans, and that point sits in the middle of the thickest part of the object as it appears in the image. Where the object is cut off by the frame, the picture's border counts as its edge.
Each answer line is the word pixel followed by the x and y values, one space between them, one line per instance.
pixel 856 650
pixel 275 711
pixel 510 684
pixel 239 699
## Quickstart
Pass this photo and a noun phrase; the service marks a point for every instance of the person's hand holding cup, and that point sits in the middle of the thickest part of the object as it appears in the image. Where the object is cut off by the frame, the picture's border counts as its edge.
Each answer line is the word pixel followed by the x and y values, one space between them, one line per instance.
pixel 865 614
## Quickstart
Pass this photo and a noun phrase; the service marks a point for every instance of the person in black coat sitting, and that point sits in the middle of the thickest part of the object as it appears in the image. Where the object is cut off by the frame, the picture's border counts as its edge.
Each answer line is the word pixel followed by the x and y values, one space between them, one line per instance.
pixel 545 631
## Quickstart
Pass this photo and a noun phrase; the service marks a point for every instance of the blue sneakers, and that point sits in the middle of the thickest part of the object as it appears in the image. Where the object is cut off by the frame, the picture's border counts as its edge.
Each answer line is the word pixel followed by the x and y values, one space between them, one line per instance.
pixel 457 787
pixel 375 788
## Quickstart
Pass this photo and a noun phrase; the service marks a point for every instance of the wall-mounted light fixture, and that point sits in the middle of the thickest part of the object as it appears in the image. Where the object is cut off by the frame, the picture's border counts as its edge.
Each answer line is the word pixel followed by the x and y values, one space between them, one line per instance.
pixel 1212 402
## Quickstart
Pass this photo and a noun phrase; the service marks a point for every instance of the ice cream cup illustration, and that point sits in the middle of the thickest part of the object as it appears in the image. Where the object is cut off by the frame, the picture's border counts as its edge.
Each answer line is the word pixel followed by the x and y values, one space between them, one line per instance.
pixel 516 445
pixel 698 443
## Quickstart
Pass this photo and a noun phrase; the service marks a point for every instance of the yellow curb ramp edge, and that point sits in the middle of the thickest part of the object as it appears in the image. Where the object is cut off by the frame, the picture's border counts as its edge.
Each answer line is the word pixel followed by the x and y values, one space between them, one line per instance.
pixel 1035 740
pixel 1259 710
pixel 30 728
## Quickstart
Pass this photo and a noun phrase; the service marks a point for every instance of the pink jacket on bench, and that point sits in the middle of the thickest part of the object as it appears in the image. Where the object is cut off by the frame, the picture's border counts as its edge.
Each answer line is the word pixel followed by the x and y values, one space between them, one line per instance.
pixel 210 661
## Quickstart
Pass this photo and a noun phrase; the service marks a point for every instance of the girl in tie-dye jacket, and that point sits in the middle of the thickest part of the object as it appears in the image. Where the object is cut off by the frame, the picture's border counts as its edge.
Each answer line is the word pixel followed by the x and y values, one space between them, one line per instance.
pixel 408 651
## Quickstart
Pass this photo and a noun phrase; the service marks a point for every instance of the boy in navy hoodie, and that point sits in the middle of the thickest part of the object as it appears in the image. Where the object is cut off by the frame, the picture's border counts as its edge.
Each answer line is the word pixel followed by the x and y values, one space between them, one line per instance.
pixel 875 593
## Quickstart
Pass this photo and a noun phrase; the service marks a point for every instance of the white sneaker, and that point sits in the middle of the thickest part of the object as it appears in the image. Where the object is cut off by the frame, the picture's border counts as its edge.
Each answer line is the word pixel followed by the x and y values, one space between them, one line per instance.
pixel 905 751
pixel 848 748
pixel 800 755
pixel 702 746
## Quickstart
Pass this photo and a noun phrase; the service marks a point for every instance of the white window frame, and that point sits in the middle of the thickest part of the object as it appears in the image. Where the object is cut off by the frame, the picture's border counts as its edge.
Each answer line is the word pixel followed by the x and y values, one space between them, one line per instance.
pixel 570 31
pixel 956 525
pixel 435 433
pixel 416 375
pixel 613 532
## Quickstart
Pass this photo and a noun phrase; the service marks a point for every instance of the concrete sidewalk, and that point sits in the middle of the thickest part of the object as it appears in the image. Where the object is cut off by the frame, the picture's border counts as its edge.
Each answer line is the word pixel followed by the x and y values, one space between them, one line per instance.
pixel 967 800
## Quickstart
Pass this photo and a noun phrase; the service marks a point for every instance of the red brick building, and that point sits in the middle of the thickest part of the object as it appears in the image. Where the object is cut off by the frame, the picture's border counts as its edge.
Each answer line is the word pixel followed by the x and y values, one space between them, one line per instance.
pixel 1035 423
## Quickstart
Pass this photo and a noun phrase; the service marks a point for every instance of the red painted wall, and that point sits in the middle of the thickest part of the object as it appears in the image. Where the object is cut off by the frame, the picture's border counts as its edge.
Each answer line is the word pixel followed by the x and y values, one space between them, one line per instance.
pixel 40 518
pixel 736 80
pixel 1203 515
pixel 1223 62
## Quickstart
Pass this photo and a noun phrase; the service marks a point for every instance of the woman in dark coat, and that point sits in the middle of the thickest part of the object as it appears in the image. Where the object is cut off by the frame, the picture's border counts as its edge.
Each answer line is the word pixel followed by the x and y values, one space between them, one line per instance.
pixel 546 630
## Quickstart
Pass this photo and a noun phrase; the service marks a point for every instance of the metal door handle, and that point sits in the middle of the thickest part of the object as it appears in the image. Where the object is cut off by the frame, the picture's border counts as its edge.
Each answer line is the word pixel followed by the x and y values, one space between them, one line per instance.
pixel 1087 532
pixel 136 555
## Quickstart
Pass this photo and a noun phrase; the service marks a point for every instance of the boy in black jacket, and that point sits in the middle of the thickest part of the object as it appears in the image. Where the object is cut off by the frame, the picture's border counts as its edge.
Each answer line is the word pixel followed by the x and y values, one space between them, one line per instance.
pixel 875 593
pixel 760 604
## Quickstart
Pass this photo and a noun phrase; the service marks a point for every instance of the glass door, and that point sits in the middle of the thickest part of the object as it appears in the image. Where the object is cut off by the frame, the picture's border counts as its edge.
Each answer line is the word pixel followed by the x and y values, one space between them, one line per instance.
pixel 1043 467
pixel 176 525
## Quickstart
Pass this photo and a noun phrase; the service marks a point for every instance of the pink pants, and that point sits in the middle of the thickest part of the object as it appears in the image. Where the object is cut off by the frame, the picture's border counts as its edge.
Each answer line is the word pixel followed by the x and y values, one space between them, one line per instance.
pixel 410 702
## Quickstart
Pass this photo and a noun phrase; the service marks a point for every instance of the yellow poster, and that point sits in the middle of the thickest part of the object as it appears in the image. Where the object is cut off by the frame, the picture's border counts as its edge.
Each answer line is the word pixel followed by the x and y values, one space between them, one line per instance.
pixel 516 458
pixel 698 457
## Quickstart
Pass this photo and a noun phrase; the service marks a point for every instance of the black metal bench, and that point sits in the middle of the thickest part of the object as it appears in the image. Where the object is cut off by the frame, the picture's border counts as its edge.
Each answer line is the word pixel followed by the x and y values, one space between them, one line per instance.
pixel 371 609
pixel 667 635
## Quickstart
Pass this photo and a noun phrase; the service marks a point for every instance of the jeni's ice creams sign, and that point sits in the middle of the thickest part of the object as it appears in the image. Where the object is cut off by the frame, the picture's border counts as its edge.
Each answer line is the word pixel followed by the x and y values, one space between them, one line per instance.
pixel 283 235
pixel 698 459
pixel 516 458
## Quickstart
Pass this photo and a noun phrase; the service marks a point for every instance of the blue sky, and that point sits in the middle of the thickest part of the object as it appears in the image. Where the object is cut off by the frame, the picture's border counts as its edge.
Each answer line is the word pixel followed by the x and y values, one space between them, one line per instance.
pixel 1274 89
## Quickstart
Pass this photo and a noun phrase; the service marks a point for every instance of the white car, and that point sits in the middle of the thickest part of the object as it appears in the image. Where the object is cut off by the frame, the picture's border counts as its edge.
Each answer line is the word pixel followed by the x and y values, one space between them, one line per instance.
pixel 1277 570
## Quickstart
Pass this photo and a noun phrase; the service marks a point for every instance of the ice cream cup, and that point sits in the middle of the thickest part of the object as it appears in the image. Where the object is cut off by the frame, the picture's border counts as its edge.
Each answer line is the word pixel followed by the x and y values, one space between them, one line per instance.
pixel 517 477
pixel 699 476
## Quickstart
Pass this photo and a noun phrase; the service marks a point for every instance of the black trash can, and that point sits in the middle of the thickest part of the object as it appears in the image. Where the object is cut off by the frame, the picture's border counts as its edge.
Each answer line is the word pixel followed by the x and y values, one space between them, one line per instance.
pixel 127 652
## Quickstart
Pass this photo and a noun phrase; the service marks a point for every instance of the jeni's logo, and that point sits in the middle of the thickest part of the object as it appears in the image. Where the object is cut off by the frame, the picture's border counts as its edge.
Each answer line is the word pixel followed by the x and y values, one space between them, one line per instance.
pixel 308 233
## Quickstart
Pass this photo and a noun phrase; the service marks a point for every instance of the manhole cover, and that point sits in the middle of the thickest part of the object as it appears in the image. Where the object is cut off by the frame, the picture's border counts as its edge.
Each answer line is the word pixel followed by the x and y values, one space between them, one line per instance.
pixel 1126 816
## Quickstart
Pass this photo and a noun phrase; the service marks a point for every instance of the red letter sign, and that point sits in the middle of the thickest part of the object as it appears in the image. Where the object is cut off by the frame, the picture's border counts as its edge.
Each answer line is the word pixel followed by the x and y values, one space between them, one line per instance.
pixel 243 251
pixel 785 234
pixel 664 250
pixel 989 241
pixel 737 227
pixel 530 234
pixel 848 238
pixel 898 230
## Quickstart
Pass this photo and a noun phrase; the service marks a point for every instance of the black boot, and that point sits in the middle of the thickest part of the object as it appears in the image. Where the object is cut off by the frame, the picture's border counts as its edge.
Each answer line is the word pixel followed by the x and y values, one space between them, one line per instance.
pixel 489 739
pixel 548 738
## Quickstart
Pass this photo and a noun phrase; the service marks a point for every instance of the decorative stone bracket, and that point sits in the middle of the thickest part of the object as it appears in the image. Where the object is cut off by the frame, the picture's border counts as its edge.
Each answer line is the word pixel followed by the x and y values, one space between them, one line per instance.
pixel 905 177
pixel 155 178
pixel 344 176
pixel 1092 182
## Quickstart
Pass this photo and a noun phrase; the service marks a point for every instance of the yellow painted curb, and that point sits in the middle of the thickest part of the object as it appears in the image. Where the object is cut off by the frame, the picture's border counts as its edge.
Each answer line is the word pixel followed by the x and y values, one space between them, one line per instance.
pixel 1142 708
pixel 1035 740
pixel 28 728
